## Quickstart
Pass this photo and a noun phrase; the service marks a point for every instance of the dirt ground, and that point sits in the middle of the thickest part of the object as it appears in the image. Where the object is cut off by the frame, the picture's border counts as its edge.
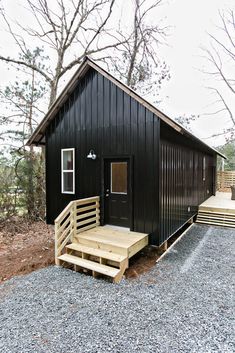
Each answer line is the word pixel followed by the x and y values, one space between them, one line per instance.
pixel 28 246
pixel 24 247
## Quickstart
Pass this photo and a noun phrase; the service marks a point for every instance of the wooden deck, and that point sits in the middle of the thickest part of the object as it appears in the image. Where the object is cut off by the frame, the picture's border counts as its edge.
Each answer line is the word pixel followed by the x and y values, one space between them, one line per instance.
pixel 113 239
pixel 218 210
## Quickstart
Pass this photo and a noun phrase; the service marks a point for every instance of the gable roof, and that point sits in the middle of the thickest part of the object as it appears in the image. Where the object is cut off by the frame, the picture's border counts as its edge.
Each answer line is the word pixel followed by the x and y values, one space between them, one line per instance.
pixel 37 137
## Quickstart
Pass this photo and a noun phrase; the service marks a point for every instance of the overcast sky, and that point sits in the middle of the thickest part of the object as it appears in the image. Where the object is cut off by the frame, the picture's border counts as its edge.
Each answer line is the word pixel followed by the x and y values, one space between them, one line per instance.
pixel 185 93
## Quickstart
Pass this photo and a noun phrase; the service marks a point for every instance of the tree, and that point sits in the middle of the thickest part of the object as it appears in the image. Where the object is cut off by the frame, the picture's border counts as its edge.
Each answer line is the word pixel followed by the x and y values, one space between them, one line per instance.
pixel 22 101
pixel 8 193
pixel 186 121
pixel 64 29
pixel 67 31
pixel 221 57
pixel 71 30
pixel 136 59
pixel 229 151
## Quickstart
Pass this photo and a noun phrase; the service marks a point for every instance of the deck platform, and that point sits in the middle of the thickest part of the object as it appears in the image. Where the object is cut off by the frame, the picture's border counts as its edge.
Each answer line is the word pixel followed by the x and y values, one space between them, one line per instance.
pixel 113 239
pixel 218 210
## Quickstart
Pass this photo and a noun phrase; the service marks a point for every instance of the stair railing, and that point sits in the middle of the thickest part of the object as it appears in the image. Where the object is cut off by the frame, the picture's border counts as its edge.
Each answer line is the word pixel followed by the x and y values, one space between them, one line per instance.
pixel 78 216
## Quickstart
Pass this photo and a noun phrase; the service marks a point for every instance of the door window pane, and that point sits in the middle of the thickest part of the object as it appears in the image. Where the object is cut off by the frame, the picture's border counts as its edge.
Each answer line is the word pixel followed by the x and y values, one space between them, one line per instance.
pixel 119 177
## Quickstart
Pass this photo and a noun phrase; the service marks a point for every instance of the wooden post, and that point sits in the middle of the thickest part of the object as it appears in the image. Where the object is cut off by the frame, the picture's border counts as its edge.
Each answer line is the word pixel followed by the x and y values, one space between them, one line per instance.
pixel 74 225
pixel 97 207
pixel 57 261
pixel 163 246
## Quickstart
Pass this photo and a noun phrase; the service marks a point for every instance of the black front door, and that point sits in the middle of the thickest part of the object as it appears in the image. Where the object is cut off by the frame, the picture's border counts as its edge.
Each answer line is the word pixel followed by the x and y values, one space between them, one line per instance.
pixel 116 192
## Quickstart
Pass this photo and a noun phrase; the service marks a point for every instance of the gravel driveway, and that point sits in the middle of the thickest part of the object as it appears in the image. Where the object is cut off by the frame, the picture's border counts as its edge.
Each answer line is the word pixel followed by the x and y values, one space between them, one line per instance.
pixel 184 304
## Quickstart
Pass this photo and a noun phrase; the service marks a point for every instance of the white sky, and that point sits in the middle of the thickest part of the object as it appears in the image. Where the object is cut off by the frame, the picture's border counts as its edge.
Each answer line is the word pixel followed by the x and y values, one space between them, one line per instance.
pixel 185 93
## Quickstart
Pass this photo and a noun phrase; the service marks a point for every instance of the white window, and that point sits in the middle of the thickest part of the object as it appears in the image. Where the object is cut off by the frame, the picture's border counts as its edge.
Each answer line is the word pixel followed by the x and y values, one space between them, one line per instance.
pixel 204 168
pixel 67 171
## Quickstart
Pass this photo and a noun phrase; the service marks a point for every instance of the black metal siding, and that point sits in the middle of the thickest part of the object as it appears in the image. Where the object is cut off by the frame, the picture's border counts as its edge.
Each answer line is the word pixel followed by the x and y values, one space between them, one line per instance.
pixel 182 187
pixel 100 116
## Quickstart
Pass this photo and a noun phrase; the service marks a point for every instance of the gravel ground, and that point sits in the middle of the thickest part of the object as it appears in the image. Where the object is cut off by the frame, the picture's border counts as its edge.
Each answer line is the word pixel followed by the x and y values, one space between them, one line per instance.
pixel 184 304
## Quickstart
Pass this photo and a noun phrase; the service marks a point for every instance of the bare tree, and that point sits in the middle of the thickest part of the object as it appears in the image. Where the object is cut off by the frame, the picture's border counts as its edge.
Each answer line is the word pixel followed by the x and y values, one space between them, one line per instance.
pixel 67 31
pixel 64 27
pixel 221 57
pixel 140 66
pixel 186 121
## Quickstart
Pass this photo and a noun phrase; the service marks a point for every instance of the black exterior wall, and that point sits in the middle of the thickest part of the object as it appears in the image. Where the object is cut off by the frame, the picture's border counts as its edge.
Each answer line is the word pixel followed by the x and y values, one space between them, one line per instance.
pixel 182 187
pixel 166 166
pixel 100 116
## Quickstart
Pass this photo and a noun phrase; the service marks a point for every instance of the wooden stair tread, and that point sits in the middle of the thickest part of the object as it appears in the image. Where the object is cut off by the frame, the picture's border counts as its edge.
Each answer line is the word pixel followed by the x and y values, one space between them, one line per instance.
pixel 216 217
pixel 96 252
pixel 90 265
pixel 215 212
pixel 216 223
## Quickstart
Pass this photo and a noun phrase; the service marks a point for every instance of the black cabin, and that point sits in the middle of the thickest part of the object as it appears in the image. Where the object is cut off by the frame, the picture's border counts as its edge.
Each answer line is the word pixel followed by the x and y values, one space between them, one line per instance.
pixel 102 138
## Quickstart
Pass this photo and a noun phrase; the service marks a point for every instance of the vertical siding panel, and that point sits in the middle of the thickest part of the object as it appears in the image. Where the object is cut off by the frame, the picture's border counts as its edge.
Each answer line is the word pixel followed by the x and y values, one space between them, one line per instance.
pixel 149 172
pixel 134 134
pixel 107 122
pixel 101 129
pixel 79 159
pixel 127 124
pixel 119 124
pixel 155 189
pixel 141 168
pixel 113 118
pixel 95 136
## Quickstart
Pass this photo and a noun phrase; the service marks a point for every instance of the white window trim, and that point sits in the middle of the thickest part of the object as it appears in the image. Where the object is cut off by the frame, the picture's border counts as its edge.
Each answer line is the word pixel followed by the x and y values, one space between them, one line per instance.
pixel 68 171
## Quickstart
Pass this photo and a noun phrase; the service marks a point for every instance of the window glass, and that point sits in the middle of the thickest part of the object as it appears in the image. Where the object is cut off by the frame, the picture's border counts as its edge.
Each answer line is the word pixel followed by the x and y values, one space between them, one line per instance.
pixel 68 160
pixel 119 177
pixel 67 171
pixel 68 181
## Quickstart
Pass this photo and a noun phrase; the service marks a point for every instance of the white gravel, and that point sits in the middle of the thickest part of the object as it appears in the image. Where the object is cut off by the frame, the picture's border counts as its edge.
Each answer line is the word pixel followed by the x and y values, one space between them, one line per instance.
pixel 184 304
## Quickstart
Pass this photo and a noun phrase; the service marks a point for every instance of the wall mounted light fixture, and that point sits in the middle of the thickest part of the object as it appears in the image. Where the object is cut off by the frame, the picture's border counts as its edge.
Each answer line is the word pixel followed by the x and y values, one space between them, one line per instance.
pixel 91 155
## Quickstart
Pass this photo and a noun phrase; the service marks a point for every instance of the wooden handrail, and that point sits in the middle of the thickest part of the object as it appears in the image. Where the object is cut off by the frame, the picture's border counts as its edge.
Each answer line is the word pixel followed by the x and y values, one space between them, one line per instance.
pixel 78 216
pixel 61 215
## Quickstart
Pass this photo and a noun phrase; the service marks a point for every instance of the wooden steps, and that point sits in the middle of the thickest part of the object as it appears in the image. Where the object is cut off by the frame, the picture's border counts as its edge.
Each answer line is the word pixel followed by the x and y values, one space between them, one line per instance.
pixel 98 261
pixel 97 252
pixel 81 242
pixel 218 217
pixel 91 265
